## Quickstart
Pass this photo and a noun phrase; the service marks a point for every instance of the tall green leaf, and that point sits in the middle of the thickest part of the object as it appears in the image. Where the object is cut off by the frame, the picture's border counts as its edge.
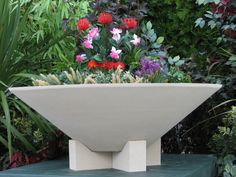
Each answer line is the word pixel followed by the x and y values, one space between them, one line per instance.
pixel 21 137
pixel 8 121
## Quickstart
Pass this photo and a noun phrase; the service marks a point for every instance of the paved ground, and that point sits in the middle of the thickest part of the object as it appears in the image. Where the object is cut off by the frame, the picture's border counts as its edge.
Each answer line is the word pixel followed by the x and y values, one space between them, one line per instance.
pixel 172 166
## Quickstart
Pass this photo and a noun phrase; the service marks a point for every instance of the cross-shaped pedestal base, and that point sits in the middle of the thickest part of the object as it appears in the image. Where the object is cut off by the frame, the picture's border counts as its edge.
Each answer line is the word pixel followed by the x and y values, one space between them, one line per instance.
pixel 134 157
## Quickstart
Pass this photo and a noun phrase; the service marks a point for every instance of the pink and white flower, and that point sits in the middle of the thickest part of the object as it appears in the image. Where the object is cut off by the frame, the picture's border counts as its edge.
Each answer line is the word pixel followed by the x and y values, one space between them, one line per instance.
pixel 80 58
pixel 93 33
pixel 136 40
pixel 116 34
pixel 115 53
pixel 88 44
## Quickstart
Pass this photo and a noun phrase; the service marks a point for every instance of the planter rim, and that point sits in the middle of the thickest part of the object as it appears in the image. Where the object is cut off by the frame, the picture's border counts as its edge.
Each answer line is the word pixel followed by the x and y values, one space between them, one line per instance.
pixel 119 85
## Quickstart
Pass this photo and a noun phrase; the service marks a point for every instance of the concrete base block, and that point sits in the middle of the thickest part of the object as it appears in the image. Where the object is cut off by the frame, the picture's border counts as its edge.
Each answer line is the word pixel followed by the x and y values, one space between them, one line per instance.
pixel 154 153
pixel 81 158
pixel 132 158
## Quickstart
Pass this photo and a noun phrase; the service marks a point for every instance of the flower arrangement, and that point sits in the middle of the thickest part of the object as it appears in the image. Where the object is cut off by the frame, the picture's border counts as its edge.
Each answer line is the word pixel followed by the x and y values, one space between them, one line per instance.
pixel 109 45
pixel 105 44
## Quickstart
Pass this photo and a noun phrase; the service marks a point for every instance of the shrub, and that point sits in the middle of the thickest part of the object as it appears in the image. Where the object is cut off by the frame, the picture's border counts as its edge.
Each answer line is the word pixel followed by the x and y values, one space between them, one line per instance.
pixel 219 68
pixel 48 36
pixel 174 19
pixel 224 144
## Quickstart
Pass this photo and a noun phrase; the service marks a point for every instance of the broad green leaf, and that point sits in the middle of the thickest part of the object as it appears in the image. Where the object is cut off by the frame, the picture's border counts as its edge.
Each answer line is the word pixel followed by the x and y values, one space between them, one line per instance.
pixel 160 40
pixel 156 45
pixel 179 63
pixel 97 57
pixel 153 38
pixel 212 24
pixel 149 25
pixel 217 1
pixel 200 1
pixel 170 61
pixel 176 58
pixel 233 58
pixel 150 33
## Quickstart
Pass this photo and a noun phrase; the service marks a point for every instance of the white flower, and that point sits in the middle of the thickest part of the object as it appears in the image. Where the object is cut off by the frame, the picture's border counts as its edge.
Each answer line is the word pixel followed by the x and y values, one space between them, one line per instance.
pixel 136 40
pixel 115 53
pixel 116 34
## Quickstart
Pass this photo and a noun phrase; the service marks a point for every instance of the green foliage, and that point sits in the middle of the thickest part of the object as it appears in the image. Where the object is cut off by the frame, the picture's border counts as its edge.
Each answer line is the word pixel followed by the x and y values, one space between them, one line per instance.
pixel 207 1
pixel 11 26
pixel 20 122
pixel 12 63
pixel 232 61
pixel 217 69
pixel 229 167
pixel 174 20
pixel 222 17
pixel 9 35
pixel 223 142
pixel 51 22
pixel 7 120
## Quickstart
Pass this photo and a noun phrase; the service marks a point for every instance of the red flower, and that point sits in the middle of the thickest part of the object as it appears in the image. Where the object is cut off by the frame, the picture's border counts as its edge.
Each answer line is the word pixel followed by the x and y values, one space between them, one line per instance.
pixel 106 65
pixel 109 65
pixel 92 64
pixel 122 65
pixel 130 23
pixel 83 24
pixel 105 18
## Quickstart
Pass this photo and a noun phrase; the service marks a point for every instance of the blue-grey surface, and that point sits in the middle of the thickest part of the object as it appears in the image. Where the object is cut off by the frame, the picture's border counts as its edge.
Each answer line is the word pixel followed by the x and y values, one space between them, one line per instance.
pixel 172 166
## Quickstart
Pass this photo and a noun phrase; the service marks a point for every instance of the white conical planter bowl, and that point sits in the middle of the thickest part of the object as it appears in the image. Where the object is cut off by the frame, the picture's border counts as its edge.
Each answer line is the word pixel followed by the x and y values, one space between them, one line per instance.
pixel 115 125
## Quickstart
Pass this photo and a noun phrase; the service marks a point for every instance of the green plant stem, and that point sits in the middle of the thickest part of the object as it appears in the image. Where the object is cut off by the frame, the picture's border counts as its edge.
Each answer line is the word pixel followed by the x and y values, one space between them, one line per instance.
pixel 221 104
pixel 202 122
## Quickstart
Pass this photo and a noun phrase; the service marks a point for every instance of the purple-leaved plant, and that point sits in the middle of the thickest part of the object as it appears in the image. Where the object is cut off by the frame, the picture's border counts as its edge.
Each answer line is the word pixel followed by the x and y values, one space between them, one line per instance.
pixel 147 67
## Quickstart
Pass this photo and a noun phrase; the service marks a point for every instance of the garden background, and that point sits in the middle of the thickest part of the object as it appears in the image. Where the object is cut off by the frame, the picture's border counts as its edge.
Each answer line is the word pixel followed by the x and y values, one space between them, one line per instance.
pixel 39 36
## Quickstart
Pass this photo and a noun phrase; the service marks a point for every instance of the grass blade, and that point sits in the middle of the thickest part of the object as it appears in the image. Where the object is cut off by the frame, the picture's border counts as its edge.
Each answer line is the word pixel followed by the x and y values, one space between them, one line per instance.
pixel 6 110
pixel 4 141
pixel 44 126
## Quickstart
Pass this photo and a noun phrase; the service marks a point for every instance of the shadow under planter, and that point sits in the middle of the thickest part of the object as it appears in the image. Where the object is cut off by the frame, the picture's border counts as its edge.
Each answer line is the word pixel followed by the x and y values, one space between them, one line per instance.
pixel 115 125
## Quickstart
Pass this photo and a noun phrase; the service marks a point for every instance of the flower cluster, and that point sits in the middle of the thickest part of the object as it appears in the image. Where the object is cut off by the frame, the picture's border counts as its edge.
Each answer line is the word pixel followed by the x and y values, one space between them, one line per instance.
pixel 147 67
pixel 101 45
pixel 129 23
pixel 105 18
pixel 107 45
pixel 105 65
pixel 83 24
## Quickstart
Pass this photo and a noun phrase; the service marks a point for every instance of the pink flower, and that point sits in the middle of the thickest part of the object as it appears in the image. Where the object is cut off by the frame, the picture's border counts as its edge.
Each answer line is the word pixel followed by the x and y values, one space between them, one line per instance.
pixel 115 53
pixel 88 44
pixel 116 34
pixel 93 33
pixel 80 58
pixel 136 40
